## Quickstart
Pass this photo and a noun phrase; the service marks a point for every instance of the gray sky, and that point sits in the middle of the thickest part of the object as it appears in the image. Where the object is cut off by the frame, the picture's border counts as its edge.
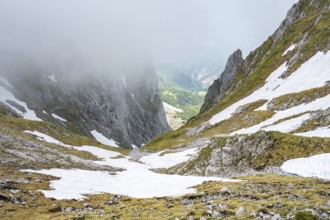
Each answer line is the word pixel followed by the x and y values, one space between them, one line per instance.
pixel 127 32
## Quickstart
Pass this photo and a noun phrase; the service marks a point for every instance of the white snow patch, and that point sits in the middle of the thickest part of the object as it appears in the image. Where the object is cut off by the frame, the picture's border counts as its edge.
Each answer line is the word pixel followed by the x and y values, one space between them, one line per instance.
pixel 171 108
pixel 275 86
pixel 292 47
pixel 58 117
pixel 167 160
pixel 5 82
pixel 136 181
pixel 123 79
pixel 320 132
pixel 315 166
pixel 7 95
pixel 43 111
pixel 288 125
pixel 52 77
pixel 45 137
pixel 104 140
pixel 134 146
pixel 319 104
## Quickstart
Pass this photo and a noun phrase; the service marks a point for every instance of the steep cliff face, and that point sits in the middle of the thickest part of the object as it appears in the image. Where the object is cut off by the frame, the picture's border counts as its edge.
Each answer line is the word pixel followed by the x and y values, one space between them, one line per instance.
pixel 215 91
pixel 272 108
pixel 124 108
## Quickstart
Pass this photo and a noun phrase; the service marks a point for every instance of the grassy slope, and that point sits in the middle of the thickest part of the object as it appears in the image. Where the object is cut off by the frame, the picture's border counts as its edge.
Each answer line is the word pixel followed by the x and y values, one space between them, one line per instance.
pixel 268 58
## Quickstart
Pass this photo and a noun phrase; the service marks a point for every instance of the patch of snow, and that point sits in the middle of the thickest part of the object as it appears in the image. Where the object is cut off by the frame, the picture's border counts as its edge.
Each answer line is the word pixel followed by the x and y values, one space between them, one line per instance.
pixel 315 166
pixel 292 47
pixel 43 111
pixel 104 140
pixel 58 117
pixel 52 77
pixel 136 181
pixel 5 82
pixel 288 125
pixel 7 95
pixel 320 132
pixel 45 137
pixel 171 108
pixel 167 160
pixel 134 146
pixel 275 86
pixel 123 79
pixel 319 104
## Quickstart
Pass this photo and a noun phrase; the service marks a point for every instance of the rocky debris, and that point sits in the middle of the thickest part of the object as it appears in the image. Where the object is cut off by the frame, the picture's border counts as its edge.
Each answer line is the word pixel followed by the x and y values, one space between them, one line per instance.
pixel 20 153
pixel 115 200
pixel 216 91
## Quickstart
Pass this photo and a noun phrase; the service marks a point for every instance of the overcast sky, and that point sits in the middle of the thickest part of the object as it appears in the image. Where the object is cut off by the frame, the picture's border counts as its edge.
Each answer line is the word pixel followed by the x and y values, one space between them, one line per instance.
pixel 101 32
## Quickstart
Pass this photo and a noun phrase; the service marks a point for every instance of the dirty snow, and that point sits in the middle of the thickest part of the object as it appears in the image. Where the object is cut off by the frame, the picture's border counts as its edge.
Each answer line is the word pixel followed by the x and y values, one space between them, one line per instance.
pixel 104 140
pixel 156 160
pixel 58 117
pixel 7 95
pixel 291 48
pixel 315 166
pixel 52 77
pixel 320 132
pixel 275 86
pixel 136 181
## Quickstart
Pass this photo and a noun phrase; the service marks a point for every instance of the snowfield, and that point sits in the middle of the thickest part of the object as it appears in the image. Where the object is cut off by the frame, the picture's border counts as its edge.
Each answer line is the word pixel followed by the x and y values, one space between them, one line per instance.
pixel 315 166
pixel 5 95
pixel 320 132
pixel 136 181
pixel 104 140
pixel 275 86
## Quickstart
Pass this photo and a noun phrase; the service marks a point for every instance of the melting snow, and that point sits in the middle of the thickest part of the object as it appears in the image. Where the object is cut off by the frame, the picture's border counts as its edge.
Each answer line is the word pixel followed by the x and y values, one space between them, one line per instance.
pixel 7 95
pixel 45 137
pixel 300 80
pixel 104 140
pixel 58 117
pixel 167 160
pixel 292 47
pixel 288 125
pixel 315 166
pixel 320 132
pixel 136 181
pixel 52 77
pixel 319 104
pixel 5 82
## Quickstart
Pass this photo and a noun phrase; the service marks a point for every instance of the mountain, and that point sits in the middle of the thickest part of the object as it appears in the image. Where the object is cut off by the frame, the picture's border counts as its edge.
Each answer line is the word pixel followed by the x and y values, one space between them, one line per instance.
pixel 264 124
pixel 125 110
pixel 271 107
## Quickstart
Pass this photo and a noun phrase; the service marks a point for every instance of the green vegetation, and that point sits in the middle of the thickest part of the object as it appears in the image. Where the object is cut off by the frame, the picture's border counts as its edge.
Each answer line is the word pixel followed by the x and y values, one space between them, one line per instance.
pixel 16 126
pixel 260 63
pixel 294 99
pixel 267 193
pixel 182 92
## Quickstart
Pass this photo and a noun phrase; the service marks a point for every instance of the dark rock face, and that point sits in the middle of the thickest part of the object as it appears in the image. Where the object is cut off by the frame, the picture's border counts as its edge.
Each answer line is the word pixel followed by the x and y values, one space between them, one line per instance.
pixel 215 91
pixel 126 108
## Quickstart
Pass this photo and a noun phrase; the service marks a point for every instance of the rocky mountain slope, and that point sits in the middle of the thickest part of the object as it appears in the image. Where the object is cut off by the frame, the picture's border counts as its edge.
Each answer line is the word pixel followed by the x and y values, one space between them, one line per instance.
pixel 268 130
pixel 271 107
pixel 125 109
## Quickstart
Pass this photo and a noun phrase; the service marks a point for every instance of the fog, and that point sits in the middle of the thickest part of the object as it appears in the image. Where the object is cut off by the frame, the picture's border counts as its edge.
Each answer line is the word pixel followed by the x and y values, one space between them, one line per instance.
pixel 109 35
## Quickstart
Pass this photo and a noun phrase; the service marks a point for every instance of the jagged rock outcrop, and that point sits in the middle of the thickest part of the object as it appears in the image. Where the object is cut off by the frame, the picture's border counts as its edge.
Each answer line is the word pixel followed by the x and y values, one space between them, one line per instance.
pixel 126 108
pixel 215 91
